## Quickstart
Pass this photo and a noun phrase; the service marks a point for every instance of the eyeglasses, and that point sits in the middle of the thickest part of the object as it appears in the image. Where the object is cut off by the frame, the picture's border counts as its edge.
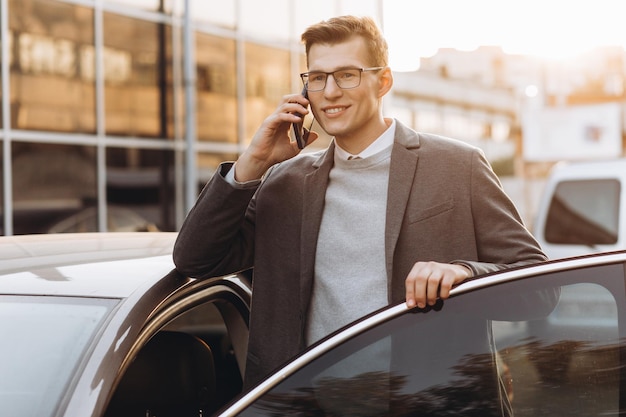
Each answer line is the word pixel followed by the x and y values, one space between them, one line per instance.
pixel 344 78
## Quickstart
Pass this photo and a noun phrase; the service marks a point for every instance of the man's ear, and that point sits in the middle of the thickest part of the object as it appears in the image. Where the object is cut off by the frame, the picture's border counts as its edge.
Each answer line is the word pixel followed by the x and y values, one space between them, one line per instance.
pixel 385 81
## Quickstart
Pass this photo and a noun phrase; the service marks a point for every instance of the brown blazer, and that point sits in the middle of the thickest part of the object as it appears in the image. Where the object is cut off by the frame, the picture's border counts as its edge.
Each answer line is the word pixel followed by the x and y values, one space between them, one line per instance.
pixel 444 204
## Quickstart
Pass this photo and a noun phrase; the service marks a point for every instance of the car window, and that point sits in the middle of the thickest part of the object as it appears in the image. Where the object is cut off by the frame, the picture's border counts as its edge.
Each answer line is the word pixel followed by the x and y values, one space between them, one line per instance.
pixel 207 323
pixel 193 363
pixel 43 341
pixel 568 362
pixel 584 212
pixel 546 346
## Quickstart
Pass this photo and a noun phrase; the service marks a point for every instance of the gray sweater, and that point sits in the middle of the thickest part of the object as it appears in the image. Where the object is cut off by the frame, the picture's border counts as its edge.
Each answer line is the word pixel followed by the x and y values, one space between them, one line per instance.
pixel 350 276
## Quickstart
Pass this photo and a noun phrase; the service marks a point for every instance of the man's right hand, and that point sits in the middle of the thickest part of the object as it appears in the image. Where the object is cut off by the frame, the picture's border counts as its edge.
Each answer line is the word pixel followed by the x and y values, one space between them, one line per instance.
pixel 271 144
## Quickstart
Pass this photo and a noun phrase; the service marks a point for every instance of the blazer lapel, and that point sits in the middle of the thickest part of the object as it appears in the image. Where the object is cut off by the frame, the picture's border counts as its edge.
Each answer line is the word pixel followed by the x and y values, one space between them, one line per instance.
pixel 401 178
pixel 312 208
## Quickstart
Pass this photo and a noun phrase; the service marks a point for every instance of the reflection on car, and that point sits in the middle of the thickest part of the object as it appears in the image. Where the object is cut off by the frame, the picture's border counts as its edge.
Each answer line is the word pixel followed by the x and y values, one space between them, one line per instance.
pixel 73 216
pixel 101 325
pixel 119 219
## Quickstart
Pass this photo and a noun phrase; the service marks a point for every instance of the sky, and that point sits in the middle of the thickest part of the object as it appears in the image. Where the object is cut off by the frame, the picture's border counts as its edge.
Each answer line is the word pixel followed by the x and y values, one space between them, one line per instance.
pixel 552 29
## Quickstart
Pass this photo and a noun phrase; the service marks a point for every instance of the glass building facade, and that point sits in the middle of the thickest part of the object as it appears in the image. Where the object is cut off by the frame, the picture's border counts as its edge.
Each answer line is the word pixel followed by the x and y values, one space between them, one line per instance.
pixel 115 112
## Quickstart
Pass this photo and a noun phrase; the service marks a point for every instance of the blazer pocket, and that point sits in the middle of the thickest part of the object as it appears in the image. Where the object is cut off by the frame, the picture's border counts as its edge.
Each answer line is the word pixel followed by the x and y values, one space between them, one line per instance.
pixel 429 212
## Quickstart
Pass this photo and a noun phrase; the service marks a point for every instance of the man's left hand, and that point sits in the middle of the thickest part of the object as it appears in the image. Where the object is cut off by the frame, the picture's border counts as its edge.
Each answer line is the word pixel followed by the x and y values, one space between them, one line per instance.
pixel 429 281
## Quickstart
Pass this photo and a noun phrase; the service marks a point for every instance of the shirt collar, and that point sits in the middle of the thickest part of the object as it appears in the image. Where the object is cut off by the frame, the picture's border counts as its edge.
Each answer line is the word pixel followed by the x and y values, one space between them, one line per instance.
pixel 382 142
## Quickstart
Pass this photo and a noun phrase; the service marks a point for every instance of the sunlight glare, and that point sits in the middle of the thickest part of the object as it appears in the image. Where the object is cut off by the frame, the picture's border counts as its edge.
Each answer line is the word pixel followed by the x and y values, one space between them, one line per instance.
pixel 547 29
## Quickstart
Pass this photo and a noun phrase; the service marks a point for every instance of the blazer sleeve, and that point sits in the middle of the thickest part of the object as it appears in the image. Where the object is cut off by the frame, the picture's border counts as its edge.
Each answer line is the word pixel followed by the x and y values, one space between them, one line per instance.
pixel 502 240
pixel 217 236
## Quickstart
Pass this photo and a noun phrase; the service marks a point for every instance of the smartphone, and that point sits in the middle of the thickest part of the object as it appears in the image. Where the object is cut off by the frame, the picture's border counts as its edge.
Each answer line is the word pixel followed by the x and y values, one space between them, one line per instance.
pixel 299 131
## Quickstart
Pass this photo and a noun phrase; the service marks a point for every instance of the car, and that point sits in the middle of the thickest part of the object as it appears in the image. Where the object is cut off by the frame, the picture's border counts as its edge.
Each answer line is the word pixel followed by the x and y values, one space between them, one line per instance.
pixel 101 324
pixel 583 208
pixel 78 311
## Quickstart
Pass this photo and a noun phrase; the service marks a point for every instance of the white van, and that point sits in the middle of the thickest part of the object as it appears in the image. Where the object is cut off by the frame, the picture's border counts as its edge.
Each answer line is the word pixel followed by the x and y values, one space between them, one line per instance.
pixel 583 209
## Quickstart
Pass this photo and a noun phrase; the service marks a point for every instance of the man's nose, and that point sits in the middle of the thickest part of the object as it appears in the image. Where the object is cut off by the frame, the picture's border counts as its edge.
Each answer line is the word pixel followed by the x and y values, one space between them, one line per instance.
pixel 331 88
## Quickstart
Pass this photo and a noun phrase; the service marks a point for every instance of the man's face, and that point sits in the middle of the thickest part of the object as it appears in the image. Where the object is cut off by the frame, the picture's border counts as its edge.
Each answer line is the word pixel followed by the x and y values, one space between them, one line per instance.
pixel 353 115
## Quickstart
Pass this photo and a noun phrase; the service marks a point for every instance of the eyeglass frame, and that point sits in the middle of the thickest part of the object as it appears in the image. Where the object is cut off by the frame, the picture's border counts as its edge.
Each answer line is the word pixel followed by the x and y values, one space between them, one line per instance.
pixel 361 71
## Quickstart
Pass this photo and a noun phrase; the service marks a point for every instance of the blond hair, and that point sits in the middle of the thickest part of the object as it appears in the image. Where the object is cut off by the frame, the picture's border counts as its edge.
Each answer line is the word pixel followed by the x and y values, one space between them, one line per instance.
pixel 339 29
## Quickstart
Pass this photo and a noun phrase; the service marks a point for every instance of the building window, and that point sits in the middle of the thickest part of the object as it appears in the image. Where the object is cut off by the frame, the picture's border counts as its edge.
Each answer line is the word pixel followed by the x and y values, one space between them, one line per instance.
pixel 51 183
pixel 49 89
pixel 268 78
pixel 216 89
pixel 140 189
pixel 136 76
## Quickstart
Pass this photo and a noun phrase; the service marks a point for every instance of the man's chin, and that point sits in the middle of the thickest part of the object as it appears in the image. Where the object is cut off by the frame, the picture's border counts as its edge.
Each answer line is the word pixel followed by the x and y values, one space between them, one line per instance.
pixel 332 130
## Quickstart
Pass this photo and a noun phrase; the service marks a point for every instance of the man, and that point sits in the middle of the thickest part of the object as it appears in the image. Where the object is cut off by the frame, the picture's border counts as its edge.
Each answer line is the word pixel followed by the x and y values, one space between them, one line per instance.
pixel 384 214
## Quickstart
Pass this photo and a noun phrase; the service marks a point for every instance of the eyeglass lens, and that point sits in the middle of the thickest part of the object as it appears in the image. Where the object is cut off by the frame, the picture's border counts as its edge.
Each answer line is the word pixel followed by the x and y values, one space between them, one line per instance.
pixel 316 81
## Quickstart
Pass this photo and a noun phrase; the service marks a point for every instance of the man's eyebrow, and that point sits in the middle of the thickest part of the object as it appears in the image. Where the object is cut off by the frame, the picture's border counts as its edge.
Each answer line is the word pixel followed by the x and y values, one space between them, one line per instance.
pixel 347 67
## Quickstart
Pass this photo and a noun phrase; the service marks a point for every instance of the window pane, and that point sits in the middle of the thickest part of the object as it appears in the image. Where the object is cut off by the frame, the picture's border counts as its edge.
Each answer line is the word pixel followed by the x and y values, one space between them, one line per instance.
pixel 546 346
pixel 52 87
pixel 50 184
pixel 268 78
pixel 135 80
pixel 208 163
pixel 207 321
pixel 567 363
pixel 584 212
pixel 419 364
pixel 216 89
pixel 140 189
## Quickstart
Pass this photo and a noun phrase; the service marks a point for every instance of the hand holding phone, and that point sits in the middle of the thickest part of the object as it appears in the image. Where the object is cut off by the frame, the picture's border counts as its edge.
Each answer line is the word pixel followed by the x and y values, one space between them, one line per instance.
pixel 300 132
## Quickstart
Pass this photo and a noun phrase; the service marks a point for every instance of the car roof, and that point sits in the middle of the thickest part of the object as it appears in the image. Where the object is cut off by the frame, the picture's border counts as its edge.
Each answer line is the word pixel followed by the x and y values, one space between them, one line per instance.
pixel 84 264
pixel 591 169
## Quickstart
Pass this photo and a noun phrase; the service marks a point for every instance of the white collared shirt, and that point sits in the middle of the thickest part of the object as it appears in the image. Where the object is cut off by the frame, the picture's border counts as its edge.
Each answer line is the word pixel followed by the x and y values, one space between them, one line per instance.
pixel 382 142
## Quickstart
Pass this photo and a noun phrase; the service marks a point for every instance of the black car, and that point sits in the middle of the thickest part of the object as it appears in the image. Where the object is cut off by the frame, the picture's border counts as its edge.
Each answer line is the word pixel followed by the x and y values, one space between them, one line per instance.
pixel 102 325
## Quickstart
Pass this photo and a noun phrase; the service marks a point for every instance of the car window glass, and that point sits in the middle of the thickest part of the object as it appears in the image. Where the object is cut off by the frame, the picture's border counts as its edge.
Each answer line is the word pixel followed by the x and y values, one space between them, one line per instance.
pixel 568 362
pixel 43 340
pixel 473 356
pixel 584 212
pixel 191 365
pixel 206 322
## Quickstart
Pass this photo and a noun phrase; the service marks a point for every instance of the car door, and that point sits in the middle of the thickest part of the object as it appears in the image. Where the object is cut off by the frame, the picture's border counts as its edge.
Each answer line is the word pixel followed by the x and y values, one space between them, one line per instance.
pixel 189 358
pixel 545 340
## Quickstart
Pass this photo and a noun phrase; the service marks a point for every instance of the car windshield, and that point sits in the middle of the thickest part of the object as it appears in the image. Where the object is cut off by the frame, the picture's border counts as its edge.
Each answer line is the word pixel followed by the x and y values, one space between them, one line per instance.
pixel 43 341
